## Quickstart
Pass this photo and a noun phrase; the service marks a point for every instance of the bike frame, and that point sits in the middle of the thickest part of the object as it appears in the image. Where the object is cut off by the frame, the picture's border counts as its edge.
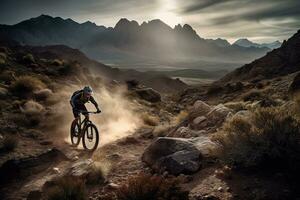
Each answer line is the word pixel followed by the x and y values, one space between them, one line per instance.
pixel 85 121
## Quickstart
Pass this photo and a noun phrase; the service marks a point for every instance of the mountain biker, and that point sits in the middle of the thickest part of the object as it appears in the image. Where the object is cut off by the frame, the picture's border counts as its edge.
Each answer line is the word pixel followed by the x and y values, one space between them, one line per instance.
pixel 79 98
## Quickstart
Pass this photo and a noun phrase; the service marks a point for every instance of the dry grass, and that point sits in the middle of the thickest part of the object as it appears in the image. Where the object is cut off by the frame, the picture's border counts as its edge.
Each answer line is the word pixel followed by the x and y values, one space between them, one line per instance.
pixel 24 86
pixel 67 188
pixel 150 120
pixel 181 117
pixel 271 137
pixel 147 187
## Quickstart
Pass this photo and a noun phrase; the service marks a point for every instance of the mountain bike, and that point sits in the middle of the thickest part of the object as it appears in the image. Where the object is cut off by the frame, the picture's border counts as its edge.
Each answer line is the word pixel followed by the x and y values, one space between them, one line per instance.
pixel 85 130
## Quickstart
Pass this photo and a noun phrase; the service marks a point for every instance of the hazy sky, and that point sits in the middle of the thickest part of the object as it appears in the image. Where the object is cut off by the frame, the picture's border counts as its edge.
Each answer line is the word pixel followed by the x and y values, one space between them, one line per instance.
pixel 258 20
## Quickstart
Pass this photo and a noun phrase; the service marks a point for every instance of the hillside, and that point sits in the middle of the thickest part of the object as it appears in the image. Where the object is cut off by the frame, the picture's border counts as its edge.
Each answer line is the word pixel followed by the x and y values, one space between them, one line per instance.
pixel 152 41
pixel 279 62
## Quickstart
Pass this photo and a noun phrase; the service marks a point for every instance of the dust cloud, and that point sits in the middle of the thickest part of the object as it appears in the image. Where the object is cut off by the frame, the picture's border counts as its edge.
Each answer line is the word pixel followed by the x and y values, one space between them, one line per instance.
pixel 118 118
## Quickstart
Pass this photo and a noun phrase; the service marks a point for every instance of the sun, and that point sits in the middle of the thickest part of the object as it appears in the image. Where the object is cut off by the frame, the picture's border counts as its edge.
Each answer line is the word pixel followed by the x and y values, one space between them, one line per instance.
pixel 167 12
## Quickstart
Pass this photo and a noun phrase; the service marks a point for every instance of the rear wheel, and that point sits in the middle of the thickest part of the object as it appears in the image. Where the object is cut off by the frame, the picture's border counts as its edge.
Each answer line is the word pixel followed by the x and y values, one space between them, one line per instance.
pixel 90 138
pixel 75 133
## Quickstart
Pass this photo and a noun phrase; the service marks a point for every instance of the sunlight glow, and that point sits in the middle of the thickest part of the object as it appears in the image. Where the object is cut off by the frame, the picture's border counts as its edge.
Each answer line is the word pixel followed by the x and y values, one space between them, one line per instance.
pixel 167 14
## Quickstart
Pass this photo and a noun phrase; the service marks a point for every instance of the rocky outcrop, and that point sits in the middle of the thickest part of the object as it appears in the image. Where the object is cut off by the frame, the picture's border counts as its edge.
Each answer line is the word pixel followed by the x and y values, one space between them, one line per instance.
pixel 13 169
pixel 177 155
pixel 149 94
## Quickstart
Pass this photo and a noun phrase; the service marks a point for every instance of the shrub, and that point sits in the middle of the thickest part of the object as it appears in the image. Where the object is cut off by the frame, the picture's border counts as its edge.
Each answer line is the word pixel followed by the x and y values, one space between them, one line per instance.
pixel 96 176
pixel 149 187
pixel 7 77
pixel 24 86
pixel 149 120
pixel 66 188
pixel 57 62
pixel 252 95
pixel 269 137
pixel 28 59
pixel 3 58
pixel 9 143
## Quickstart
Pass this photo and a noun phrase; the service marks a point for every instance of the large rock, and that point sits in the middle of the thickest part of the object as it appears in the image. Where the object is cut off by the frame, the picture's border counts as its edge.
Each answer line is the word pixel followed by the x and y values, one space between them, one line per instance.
pixel 200 108
pixel 149 94
pixel 218 114
pixel 174 155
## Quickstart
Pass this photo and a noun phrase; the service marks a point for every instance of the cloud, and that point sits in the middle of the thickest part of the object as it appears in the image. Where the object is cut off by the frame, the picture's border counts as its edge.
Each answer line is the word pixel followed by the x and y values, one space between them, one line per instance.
pixel 262 20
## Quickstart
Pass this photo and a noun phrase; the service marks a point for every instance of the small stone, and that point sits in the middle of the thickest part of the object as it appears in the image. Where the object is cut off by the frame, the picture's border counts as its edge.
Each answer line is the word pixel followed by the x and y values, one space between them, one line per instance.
pixel 56 170
pixel 76 158
pixel 220 189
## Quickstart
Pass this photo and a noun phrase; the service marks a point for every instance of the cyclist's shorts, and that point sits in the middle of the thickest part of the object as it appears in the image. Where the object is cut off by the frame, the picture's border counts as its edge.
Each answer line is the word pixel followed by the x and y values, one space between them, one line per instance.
pixel 79 107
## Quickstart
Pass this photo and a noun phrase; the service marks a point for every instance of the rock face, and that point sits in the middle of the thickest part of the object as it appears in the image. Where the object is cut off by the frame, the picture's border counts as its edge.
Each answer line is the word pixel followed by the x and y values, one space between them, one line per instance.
pixel 13 169
pixel 149 94
pixel 177 155
pixel 173 155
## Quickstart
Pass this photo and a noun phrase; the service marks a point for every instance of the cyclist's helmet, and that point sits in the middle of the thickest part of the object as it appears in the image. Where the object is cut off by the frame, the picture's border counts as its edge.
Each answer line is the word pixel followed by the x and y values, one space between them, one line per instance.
pixel 88 90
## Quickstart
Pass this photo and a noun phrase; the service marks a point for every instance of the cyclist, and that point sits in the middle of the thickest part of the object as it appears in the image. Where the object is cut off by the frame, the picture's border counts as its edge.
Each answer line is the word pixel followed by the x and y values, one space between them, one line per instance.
pixel 79 98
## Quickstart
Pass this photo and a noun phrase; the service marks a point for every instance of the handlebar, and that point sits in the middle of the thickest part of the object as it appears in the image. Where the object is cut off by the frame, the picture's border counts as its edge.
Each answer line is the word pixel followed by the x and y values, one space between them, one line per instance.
pixel 88 112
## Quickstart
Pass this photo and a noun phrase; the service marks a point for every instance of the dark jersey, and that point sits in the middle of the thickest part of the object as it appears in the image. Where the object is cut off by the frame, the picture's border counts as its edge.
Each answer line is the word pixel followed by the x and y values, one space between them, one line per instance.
pixel 78 98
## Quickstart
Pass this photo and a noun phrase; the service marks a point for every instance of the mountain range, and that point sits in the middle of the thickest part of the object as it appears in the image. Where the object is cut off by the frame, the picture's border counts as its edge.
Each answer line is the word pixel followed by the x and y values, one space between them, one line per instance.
pixel 247 43
pixel 130 43
pixel 279 62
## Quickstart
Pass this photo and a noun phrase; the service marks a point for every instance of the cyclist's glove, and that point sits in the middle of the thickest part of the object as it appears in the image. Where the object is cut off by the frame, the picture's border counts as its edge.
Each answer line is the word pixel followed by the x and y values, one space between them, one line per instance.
pixel 98 110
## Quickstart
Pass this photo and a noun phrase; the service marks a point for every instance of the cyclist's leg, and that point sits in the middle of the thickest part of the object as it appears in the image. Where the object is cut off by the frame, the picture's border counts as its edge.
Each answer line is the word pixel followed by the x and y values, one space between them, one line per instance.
pixel 83 108
pixel 76 115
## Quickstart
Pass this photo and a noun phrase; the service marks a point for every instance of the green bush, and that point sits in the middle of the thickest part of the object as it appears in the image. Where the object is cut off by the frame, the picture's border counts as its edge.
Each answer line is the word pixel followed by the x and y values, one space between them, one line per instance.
pixel 24 86
pixel 67 188
pixel 28 59
pixel 147 187
pixel 269 137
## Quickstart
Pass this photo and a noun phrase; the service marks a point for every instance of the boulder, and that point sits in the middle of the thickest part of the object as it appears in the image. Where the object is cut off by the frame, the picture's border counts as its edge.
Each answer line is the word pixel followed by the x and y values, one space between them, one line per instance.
pixel 149 94
pixel 174 155
pixel 183 132
pixel 200 108
pixel 218 114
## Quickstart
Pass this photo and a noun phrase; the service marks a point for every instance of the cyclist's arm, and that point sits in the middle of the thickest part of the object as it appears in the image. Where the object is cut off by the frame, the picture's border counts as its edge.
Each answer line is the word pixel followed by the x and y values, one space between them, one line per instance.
pixel 94 102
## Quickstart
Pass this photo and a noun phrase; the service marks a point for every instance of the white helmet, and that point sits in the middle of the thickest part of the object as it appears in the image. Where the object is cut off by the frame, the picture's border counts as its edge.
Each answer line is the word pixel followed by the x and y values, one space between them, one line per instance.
pixel 88 90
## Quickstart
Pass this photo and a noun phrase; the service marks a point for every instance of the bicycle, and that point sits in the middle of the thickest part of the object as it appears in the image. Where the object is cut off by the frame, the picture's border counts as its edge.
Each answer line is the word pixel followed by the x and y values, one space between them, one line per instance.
pixel 86 130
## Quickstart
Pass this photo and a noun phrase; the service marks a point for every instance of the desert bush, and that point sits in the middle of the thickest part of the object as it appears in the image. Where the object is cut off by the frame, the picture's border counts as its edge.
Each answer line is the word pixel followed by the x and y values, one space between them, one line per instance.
pixel 7 77
pixel 67 188
pixel 57 62
pixel 270 137
pixel 161 130
pixel 150 120
pixel 96 176
pixel 252 95
pixel 9 143
pixel 24 86
pixel 3 58
pixel 43 94
pixel 181 117
pixel 236 106
pixel 149 187
pixel 28 59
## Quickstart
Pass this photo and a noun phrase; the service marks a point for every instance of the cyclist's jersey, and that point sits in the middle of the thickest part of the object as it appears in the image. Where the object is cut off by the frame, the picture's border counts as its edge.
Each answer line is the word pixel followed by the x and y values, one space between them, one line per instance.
pixel 78 98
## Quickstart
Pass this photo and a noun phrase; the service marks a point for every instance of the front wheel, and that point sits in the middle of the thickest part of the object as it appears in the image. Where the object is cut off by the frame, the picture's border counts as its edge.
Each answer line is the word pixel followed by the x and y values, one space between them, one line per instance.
pixel 90 138
pixel 75 133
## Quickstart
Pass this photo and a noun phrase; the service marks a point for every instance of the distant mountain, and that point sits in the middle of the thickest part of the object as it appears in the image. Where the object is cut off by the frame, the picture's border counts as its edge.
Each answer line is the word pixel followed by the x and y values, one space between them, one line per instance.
pixel 248 43
pixel 220 42
pixel 129 42
pixel 279 62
